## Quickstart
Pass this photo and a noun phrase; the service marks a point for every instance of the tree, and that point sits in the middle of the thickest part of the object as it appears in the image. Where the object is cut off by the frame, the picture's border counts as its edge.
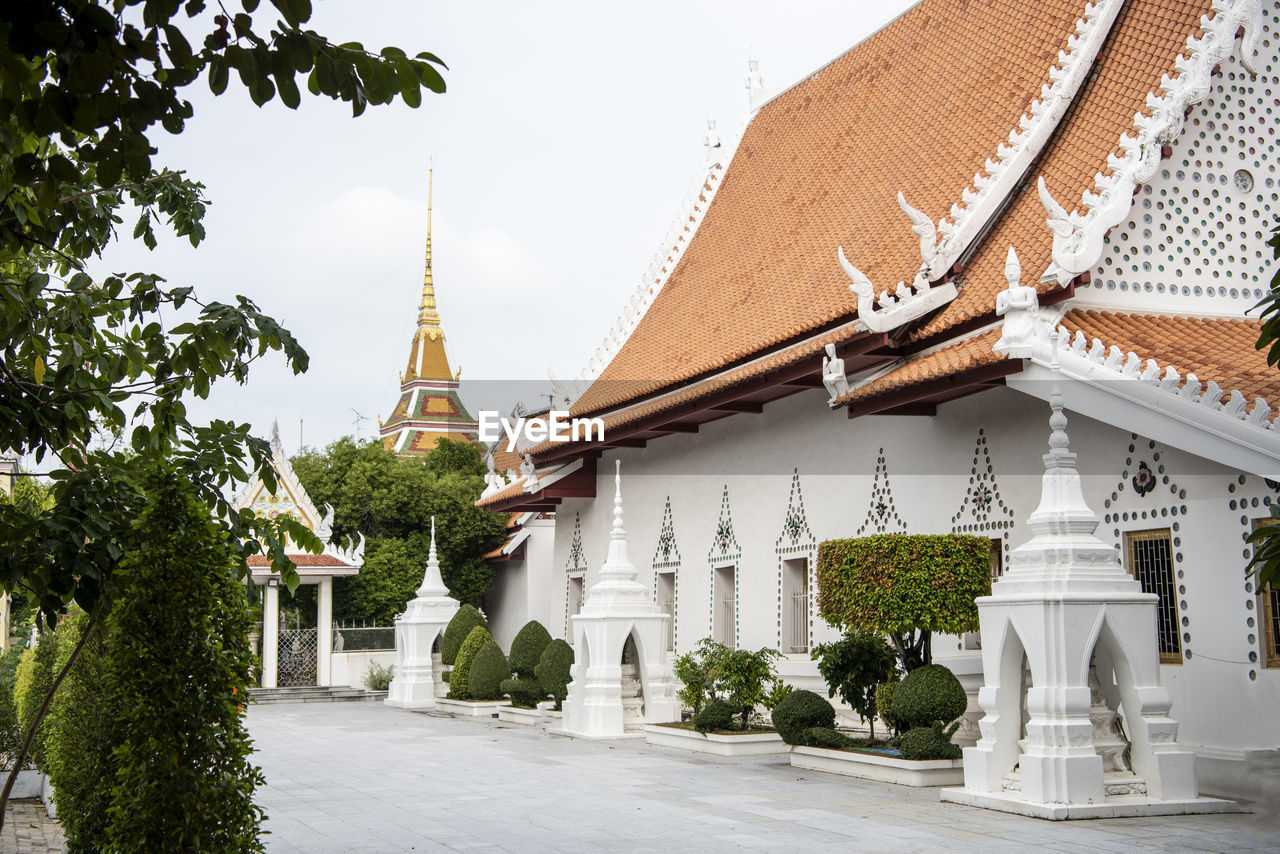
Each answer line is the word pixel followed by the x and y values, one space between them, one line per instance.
pixel 1266 539
pixel 853 667
pixel 390 500
pixel 83 86
pixel 904 587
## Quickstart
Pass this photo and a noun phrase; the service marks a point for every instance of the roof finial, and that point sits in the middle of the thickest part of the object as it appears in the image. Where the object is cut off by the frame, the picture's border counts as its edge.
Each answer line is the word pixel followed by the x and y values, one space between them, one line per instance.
pixel 426 355
pixel 619 532
pixel 432 583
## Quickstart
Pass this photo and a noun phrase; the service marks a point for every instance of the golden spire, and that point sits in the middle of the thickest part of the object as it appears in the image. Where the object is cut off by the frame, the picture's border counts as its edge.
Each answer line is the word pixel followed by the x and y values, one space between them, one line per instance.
pixel 427 358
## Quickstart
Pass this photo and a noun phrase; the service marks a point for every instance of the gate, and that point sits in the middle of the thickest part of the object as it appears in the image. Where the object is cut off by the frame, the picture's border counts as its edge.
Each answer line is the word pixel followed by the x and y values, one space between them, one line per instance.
pixel 298 651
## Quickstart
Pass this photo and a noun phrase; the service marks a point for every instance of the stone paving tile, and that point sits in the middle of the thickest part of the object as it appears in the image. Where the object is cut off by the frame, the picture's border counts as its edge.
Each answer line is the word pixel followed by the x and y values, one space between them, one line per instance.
pixel 363 777
pixel 27 830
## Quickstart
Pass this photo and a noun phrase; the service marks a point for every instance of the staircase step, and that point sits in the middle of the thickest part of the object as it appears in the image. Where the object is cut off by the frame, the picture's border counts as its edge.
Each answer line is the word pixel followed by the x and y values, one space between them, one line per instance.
pixel 313 694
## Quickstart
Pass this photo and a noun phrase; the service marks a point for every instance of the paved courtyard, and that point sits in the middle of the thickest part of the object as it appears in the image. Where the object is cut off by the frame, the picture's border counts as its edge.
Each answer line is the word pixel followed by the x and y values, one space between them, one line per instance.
pixel 364 777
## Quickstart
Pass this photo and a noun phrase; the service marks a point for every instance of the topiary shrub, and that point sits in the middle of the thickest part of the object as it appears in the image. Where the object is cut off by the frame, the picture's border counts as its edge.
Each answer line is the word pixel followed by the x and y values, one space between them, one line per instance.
pixel 930 742
pixel 800 711
pixel 828 737
pixel 927 695
pixel 488 671
pixel 524 693
pixel 716 715
pixel 458 630
pixel 460 678
pixel 527 647
pixel 553 670
pixel 884 707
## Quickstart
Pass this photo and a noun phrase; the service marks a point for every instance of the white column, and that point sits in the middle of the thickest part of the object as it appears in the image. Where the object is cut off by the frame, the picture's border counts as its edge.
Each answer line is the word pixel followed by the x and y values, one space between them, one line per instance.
pixel 270 634
pixel 324 623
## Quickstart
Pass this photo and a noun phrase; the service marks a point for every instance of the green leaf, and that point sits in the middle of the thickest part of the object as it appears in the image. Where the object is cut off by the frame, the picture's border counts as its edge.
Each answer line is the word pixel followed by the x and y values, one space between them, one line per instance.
pixel 37 370
pixel 218 74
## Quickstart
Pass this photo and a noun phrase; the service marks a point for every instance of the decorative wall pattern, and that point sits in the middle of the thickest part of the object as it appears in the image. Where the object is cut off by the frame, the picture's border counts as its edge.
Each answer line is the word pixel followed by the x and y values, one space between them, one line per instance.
pixel 882 514
pixel 1154 501
pixel 725 552
pixel 576 568
pixel 576 559
pixel 666 558
pixel 1251 508
pixel 983 510
pixel 796 541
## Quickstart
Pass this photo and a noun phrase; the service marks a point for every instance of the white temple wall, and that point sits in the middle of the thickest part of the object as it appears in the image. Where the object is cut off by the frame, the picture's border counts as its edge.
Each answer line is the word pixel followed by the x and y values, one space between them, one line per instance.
pixel 932 471
pixel 521 588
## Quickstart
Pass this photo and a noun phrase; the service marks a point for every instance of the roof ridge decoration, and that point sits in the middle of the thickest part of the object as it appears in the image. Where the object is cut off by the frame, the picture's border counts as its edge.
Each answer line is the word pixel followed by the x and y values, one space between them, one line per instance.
pixel 1029 335
pixel 942 245
pixel 1078 238
pixel 692 209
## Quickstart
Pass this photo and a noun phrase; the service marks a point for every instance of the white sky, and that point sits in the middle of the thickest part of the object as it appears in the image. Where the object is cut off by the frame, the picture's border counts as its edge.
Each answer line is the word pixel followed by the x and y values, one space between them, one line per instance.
pixel 563 148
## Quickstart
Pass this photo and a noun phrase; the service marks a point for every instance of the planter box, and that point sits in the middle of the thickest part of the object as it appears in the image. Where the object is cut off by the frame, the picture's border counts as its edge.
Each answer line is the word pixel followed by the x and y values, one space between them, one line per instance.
pixel 746 744
pixel 517 715
pixel 469 708
pixel 885 769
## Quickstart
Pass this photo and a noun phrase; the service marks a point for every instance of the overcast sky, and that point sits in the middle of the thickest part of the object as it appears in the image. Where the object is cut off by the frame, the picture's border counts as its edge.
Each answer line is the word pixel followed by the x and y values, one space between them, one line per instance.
pixel 567 139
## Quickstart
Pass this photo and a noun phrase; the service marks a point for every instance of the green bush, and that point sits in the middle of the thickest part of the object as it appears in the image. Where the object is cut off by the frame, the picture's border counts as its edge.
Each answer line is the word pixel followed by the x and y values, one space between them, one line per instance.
pixel 177 679
pixel 10 731
pixel 527 648
pixel 930 742
pixel 489 669
pixel 459 629
pixel 697 670
pixel 553 670
pixel 460 676
pixel 800 711
pixel 884 707
pixel 32 679
pixel 743 676
pixel 904 587
pixel 83 727
pixel 525 693
pixel 718 715
pixel 828 737
pixel 377 677
pixel 927 695
pixel 778 691
pixel 853 666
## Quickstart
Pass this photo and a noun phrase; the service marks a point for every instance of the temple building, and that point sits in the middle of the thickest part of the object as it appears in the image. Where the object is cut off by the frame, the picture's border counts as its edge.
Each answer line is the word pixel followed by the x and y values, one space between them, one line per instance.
pixel 429 407
pixel 873 291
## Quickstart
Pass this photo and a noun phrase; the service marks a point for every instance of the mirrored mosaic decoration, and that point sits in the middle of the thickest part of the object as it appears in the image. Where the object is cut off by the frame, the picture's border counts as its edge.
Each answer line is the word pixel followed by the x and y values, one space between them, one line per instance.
pixel 882 514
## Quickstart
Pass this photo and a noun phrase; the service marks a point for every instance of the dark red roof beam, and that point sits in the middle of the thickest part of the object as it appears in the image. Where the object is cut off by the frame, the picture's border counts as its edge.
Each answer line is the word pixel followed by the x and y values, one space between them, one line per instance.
pixel 951 387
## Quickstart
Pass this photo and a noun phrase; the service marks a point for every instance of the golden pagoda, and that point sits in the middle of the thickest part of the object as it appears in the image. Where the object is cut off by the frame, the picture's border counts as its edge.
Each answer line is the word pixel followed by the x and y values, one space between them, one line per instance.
pixel 429 407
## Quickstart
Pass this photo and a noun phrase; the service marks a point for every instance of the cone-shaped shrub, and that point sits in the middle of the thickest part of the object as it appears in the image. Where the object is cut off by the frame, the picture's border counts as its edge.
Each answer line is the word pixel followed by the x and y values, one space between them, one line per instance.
pixel 460 676
pixel 526 649
pixel 553 670
pixel 459 628
pixel 929 694
pixel 488 670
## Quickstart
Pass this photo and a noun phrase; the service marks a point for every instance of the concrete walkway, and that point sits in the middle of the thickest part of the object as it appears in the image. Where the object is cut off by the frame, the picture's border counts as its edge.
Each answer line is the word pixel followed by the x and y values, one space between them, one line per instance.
pixel 363 777
pixel 27 830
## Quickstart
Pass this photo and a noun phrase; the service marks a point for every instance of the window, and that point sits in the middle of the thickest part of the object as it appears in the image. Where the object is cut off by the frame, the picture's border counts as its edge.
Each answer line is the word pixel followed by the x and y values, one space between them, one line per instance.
pixel 1269 614
pixel 1150 560
pixel 667 604
pixel 795 605
pixel 574 603
pixel 723 616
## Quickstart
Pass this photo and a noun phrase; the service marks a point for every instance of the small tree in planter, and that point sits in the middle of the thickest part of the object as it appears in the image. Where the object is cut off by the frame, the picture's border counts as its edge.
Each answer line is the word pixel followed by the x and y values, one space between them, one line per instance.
pixel 904 587
pixel 698 670
pixel 714 671
pixel 853 667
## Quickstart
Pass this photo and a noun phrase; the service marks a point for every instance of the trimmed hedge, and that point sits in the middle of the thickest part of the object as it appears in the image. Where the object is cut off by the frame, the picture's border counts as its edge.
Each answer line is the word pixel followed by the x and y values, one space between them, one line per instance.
pixel 930 742
pixel 896 583
pixel 524 693
pixel 884 707
pixel 31 684
pixel 527 647
pixel 456 633
pixel 488 670
pixel 717 715
pixel 460 676
pixel 828 737
pixel 553 670
pixel 799 712
pixel 928 695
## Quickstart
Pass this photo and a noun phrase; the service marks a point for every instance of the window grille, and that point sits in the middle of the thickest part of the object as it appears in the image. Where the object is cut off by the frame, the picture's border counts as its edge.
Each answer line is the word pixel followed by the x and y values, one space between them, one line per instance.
pixel 724 623
pixel 800 621
pixel 997 559
pixel 1150 556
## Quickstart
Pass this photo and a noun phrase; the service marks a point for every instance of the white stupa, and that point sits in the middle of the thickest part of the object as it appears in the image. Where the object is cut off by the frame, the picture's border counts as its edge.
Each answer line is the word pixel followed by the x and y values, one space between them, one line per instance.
pixel 622 672
pixel 416 680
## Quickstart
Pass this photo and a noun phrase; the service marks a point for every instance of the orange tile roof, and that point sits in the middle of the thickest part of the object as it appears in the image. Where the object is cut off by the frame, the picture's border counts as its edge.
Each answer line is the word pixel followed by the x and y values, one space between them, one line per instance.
pixel 917 107
pixel 1144 43
pixel 1218 349
pixel 300 560
pixel 962 356
pixel 510 491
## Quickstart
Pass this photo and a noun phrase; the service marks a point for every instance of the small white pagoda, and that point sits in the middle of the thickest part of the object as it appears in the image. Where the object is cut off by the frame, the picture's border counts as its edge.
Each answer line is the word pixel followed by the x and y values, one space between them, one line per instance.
pixel 622 672
pixel 416 682
pixel 1076 722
